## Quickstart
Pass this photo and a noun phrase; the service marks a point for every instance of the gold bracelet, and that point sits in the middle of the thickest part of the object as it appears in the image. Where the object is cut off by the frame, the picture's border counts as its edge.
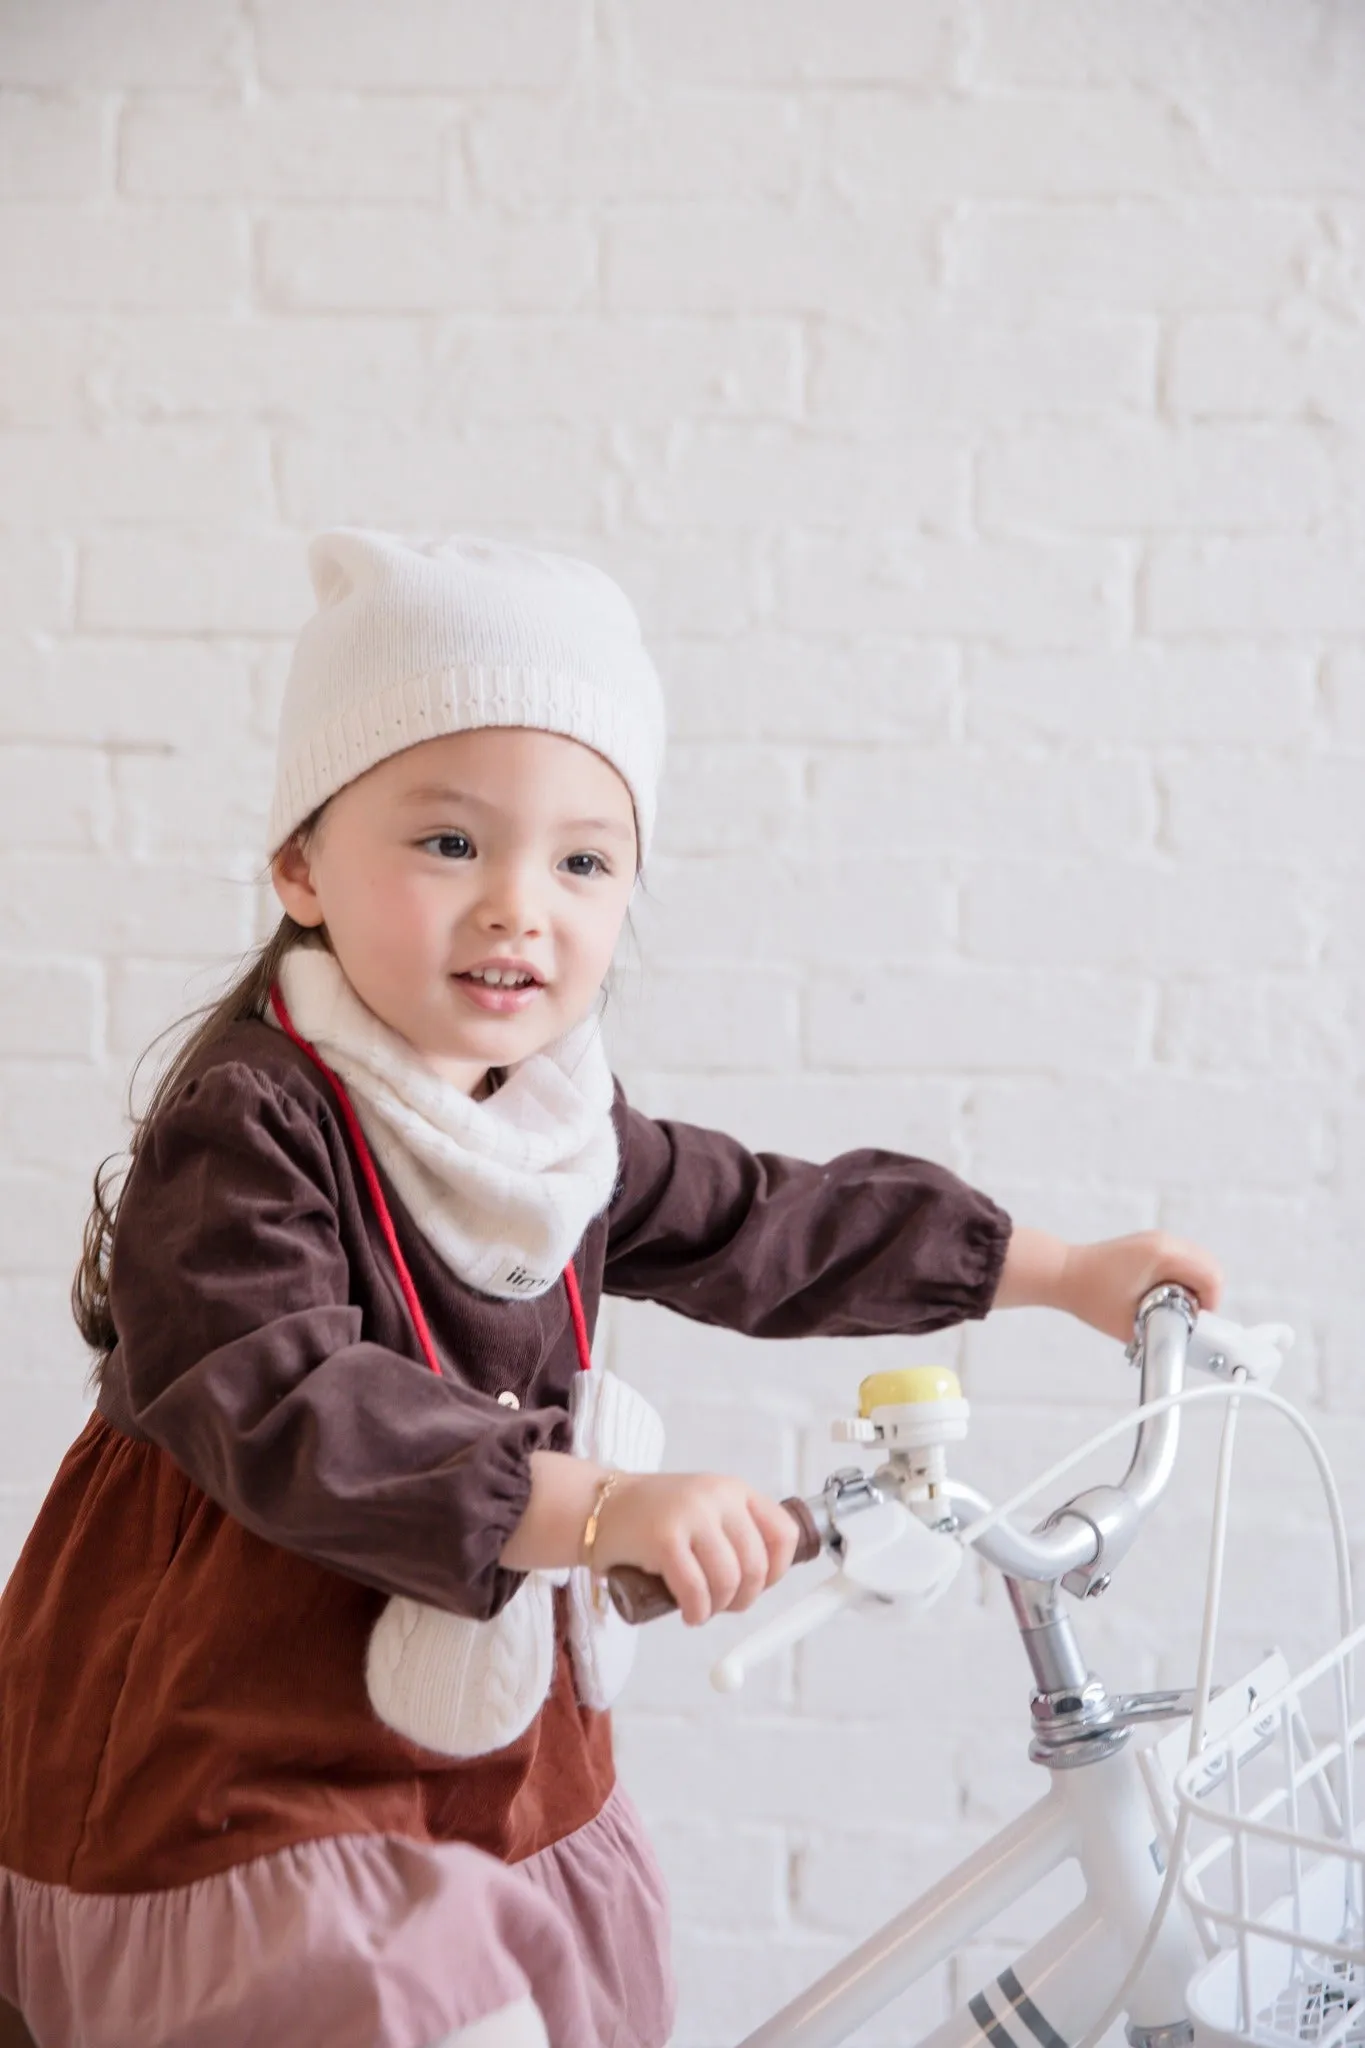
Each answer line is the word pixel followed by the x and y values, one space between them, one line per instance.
pixel 604 1491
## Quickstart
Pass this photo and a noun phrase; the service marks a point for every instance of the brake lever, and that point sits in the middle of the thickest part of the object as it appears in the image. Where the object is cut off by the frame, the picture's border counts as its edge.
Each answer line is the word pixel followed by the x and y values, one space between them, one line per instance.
pixel 1223 1349
pixel 888 1557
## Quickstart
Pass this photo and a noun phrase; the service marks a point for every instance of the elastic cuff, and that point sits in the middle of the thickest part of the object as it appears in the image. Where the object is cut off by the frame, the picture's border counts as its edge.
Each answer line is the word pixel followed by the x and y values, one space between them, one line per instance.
pixel 996 1230
pixel 504 1462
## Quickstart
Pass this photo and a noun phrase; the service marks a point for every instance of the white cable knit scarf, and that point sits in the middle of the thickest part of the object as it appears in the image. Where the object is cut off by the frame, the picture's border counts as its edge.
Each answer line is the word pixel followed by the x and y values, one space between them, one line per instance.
pixel 504 1188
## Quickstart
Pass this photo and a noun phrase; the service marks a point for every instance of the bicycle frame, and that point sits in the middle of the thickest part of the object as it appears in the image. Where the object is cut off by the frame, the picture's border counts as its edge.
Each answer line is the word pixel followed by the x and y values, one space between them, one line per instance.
pixel 1112 1817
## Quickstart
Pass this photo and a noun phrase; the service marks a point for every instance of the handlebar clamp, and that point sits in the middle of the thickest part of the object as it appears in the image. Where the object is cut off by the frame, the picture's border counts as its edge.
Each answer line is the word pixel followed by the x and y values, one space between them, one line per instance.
pixel 1115 1520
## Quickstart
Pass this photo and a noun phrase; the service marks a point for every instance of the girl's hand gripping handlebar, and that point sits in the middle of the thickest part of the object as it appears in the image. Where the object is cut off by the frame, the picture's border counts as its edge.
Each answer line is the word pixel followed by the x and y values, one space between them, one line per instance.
pixel 640 1596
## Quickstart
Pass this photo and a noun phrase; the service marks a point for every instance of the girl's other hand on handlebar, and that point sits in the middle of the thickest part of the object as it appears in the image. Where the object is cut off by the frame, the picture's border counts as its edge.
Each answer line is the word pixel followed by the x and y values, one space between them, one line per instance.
pixel 1103 1283
pixel 716 1542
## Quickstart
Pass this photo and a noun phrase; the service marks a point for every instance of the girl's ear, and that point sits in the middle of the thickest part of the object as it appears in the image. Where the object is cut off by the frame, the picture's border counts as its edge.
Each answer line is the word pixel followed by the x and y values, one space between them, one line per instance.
pixel 293 880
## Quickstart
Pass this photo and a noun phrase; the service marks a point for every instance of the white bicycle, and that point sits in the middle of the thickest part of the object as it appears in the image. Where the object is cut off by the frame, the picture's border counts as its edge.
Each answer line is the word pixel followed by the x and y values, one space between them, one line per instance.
pixel 1221 1865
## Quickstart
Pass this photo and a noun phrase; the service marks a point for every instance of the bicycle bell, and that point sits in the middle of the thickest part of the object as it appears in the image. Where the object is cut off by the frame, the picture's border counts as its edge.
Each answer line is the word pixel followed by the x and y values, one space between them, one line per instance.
pixel 912 1414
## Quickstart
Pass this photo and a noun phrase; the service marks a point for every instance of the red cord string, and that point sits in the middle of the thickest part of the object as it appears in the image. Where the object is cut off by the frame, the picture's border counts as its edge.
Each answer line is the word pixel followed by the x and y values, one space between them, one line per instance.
pixel 580 1321
pixel 381 1207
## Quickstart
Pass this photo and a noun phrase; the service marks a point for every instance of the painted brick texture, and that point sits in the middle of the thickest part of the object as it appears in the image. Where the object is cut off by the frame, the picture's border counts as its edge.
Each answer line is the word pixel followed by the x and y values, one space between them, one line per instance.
pixel 971 398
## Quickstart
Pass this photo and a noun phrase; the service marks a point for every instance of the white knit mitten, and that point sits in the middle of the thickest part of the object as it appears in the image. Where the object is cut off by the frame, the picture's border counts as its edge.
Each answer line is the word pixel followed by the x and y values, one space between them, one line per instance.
pixel 613 1425
pixel 458 1686
pixel 464 1688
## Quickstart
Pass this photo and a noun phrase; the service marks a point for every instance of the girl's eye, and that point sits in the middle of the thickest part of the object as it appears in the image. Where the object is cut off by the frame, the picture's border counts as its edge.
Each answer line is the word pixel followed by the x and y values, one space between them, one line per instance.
pixel 449 845
pixel 595 864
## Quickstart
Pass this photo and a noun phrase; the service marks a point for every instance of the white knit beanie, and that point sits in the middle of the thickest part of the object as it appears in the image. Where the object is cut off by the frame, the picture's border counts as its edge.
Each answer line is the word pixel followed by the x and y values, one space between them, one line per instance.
pixel 416 638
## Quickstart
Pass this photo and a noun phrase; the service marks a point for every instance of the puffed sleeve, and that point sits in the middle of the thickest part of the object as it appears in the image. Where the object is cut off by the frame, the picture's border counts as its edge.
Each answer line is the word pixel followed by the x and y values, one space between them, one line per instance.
pixel 869 1244
pixel 241 1353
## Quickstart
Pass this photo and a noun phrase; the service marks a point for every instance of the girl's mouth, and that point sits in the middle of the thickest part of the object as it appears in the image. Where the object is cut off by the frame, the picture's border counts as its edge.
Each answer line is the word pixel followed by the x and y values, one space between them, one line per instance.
pixel 502 1001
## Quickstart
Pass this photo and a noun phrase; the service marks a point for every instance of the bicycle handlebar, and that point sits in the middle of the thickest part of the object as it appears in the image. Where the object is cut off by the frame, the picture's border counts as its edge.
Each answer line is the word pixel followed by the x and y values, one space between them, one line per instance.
pixel 1105 1519
pixel 1097 1525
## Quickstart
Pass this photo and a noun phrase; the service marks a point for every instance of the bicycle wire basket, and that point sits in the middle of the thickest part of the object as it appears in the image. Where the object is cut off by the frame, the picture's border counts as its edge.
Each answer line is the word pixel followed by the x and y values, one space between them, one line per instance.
pixel 1274 1866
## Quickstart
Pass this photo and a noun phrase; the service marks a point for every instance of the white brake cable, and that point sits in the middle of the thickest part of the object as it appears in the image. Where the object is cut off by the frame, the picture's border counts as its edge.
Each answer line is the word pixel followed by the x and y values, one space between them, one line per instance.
pixel 1247 1391
pixel 1213 1584
pixel 1203 1692
pixel 1233 1394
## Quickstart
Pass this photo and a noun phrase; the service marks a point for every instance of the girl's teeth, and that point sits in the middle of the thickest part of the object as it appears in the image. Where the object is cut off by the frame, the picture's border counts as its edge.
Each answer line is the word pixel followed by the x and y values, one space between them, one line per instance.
pixel 496 979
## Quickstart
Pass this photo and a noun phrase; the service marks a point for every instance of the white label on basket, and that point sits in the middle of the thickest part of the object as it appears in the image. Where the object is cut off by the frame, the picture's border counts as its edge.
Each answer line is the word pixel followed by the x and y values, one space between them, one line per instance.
pixel 1248 1744
pixel 1226 1709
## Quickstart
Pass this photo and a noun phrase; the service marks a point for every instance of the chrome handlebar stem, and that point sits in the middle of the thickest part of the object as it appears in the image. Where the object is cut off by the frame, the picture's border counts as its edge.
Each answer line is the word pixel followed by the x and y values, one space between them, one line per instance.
pixel 1075 1722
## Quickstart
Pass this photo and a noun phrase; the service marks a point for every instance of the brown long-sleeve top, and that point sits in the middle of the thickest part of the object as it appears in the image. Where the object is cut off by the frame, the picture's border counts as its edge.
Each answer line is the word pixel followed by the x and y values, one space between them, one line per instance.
pixel 182 1642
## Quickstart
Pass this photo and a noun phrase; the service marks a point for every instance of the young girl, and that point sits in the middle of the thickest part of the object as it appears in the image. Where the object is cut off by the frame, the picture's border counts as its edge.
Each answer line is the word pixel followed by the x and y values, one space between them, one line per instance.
pixel 303 1679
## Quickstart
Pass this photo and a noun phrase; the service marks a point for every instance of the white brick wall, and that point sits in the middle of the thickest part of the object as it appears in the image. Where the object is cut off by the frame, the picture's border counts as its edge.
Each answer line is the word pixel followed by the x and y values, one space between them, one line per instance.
pixel 971 397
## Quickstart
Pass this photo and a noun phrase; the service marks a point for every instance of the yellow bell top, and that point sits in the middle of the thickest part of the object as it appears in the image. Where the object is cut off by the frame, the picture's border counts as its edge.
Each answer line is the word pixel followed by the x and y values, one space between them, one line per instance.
pixel 904 1389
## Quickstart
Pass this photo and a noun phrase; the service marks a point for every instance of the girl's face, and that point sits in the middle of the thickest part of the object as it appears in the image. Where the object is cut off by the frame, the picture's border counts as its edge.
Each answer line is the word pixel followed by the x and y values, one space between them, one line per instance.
pixel 506 849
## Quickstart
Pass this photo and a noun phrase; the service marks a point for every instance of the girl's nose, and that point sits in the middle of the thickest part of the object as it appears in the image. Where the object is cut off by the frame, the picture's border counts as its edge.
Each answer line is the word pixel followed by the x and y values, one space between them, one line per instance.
pixel 510 904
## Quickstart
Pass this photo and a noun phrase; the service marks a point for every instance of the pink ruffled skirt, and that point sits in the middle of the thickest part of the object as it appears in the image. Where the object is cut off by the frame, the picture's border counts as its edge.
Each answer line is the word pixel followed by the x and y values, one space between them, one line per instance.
pixel 356 1941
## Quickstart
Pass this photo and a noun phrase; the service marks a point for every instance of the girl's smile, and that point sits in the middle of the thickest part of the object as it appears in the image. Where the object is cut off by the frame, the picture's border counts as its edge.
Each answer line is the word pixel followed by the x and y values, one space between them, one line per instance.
pixel 514 991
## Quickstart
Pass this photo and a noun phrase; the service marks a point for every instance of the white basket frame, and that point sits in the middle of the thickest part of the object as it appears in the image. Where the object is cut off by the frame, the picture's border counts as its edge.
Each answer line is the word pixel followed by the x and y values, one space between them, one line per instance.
pixel 1274 1871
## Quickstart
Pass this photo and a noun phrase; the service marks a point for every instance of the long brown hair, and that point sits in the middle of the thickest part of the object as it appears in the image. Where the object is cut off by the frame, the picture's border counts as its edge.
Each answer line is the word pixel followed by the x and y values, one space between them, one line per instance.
pixel 244 999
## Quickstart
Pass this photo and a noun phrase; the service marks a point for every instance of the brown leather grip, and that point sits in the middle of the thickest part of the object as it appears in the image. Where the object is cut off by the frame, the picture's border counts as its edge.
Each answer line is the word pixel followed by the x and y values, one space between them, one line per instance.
pixel 640 1596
